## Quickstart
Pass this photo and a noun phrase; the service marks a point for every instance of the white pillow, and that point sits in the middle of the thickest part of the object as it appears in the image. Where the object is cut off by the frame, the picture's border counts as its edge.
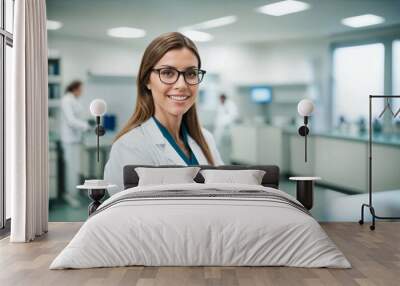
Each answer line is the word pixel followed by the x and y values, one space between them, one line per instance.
pixel 163 176
pixel 248 177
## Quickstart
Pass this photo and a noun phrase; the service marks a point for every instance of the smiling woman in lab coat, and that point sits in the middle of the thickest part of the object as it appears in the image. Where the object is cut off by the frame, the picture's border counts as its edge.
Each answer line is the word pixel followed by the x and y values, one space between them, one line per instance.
pixel 164 128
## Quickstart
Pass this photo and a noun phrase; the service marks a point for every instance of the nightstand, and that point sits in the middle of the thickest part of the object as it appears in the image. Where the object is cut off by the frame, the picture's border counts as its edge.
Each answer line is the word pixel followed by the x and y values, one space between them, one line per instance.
pixel 96 194
pixel 305 190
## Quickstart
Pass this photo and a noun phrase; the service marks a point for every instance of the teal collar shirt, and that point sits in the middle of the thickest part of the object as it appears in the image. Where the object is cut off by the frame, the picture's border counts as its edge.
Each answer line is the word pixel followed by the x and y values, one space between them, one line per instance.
pixel 191 160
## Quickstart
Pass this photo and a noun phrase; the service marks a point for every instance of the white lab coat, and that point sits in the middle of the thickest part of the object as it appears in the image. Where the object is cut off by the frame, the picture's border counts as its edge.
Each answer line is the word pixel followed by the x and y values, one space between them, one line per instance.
pixel 72 123
pixel 72 127
pixel 146 145
pixel 227 113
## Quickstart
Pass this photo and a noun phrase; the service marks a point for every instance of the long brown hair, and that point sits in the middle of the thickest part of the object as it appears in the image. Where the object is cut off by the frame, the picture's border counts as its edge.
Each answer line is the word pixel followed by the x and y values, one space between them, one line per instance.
pixel 145 105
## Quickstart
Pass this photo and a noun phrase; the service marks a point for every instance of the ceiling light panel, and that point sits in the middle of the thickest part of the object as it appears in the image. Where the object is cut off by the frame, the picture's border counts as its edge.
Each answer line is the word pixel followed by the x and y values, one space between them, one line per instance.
pixel 126 32
pixel 214 23
pixel 53 25
pixel 197 36
pixel 363 20
pixel 283 8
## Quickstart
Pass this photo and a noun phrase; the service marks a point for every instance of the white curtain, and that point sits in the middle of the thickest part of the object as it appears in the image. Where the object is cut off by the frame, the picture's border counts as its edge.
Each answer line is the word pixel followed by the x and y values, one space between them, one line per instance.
pixel 27 123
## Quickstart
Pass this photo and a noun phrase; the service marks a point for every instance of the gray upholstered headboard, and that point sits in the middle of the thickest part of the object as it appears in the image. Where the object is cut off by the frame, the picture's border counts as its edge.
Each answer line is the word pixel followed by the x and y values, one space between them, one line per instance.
pixel 270 179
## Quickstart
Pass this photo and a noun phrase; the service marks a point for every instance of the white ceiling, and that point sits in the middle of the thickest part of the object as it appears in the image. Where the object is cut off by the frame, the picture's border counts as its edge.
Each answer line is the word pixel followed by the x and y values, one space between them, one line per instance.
pixel 92 18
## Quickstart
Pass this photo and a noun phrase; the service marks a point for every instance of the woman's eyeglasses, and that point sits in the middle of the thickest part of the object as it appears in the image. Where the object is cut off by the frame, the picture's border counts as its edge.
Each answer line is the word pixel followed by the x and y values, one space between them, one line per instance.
pixel 171 75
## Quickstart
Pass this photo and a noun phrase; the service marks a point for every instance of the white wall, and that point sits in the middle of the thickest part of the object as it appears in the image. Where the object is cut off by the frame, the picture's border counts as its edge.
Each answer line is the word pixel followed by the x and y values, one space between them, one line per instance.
pixel 81 55
pixel 261 63
pixel 305 61
pixel 113 65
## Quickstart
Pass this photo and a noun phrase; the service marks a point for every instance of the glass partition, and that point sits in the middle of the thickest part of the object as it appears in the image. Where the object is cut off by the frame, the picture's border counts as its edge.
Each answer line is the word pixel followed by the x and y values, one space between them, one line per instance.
pixel 358 71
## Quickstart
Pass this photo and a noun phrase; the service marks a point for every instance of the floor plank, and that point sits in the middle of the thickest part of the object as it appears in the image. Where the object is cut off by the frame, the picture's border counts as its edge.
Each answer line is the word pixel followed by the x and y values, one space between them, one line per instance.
pixel 374 255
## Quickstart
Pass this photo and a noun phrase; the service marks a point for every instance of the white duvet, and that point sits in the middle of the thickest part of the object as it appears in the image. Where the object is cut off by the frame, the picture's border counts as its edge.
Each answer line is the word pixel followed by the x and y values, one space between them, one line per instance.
pixel 200 231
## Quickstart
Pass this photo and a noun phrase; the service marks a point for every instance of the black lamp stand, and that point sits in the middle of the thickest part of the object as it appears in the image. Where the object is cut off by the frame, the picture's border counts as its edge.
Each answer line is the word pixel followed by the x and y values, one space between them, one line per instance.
pixel 303 131
pixel 100 131
pixel 97 194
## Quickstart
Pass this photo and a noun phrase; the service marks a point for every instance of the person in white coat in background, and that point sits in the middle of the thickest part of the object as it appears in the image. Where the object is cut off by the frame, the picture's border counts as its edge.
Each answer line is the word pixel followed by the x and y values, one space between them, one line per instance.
pixel 164 128
pixel 227 114
pixel 73 126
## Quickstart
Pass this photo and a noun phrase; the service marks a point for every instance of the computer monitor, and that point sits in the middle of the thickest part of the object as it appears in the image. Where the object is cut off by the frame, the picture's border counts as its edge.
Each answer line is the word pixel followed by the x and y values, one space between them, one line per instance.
pixel 261 94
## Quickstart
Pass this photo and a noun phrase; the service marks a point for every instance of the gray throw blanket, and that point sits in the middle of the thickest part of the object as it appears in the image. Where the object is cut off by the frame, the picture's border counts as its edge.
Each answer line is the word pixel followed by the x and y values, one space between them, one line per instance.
pixel 205 194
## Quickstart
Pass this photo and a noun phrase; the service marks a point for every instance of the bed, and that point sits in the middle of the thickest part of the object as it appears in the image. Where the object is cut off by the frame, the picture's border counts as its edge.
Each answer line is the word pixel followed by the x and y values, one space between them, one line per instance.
pixel 201 224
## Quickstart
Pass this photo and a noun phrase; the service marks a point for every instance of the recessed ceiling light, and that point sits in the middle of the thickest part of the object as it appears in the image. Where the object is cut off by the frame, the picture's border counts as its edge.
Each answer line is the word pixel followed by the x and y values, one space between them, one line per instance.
pixel 363 20
pixel 197 36
pixel 126 32
pixel 53 25
pixel 214 23
pixel 283 8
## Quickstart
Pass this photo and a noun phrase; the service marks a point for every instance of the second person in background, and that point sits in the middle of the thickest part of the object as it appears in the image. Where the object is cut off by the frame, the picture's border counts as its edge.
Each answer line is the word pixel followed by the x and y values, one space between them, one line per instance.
pixel 73 125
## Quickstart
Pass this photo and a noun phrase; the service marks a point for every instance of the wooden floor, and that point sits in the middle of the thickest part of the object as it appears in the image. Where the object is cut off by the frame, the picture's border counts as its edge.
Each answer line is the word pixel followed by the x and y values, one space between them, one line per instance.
pixel 375 257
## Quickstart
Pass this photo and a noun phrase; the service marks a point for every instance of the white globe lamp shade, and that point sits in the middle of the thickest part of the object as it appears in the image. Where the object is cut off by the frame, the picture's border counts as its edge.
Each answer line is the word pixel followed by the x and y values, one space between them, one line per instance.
pixel 98 107
pixel 305 107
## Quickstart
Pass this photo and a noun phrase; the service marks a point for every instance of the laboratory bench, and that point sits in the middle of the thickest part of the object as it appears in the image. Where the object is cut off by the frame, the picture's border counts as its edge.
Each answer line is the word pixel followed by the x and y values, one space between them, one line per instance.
pixel 91 169
pixel 339 158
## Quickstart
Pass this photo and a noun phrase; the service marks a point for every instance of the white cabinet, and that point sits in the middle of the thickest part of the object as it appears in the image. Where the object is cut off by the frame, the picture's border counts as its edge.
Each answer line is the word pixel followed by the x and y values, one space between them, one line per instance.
pixel 244 144
pixel 385 167
pixel 342 163
pixel 259 144
pixel 298 166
